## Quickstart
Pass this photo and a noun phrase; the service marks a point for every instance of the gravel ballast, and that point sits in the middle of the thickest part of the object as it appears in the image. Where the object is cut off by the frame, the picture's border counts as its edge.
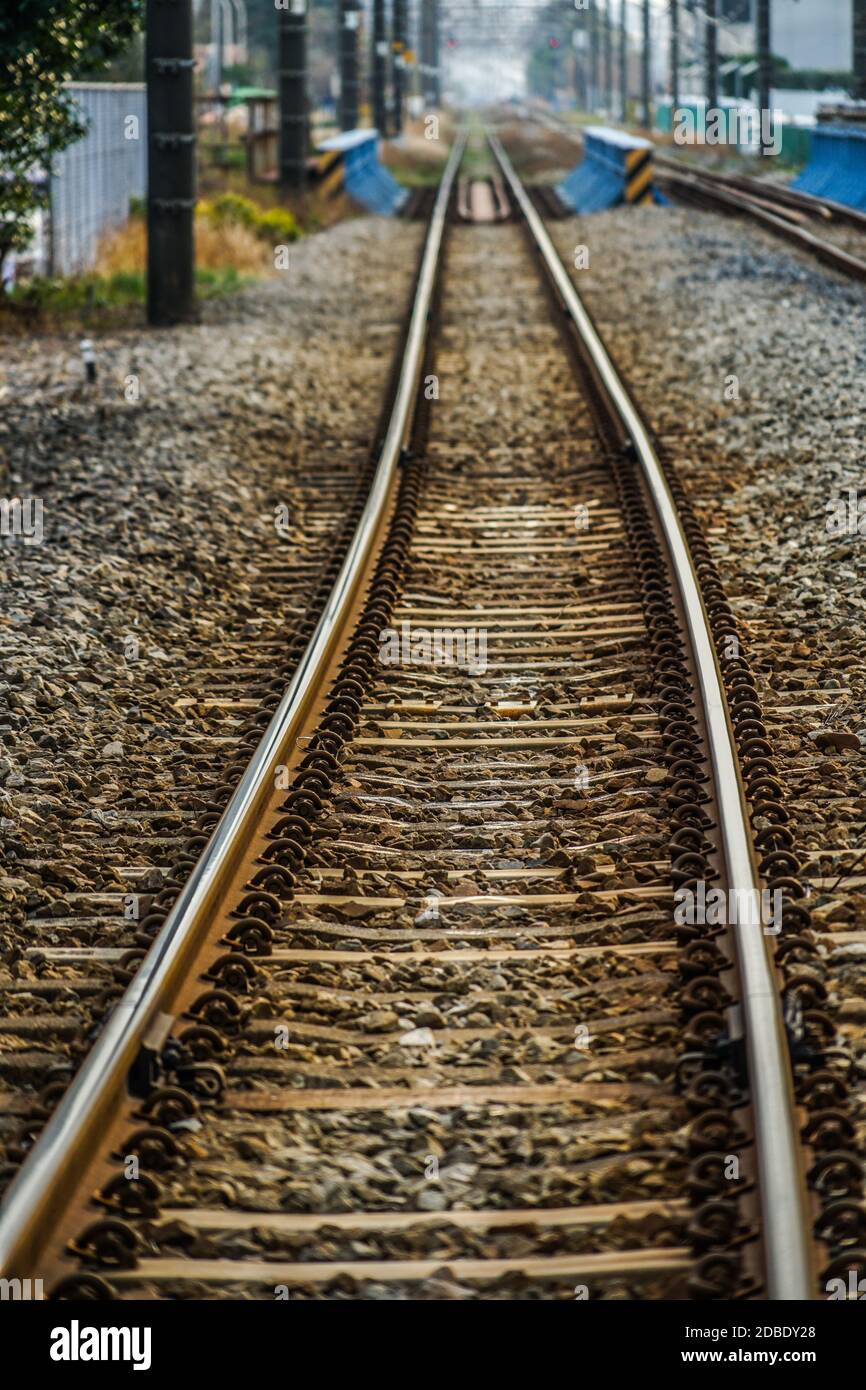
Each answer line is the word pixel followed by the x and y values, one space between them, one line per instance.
pixel 187 501
pixel 748 359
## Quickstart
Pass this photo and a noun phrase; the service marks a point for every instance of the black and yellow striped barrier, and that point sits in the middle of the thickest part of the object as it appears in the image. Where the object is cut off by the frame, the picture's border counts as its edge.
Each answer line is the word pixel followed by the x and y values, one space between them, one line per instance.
pixel 639 176
pixel 616 168
pixel 349 163
pixel 330 173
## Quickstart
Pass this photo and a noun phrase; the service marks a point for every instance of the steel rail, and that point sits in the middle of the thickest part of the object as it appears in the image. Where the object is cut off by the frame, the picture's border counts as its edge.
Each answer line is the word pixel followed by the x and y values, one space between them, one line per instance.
pixel 706 190
pixel 41 1190
pixel 781 194
pixel 749 197
pixel 783 1198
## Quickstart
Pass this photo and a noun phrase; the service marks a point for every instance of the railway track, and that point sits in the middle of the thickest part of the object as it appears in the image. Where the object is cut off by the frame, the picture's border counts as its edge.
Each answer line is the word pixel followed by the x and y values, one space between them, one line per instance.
pixel 419 1020
pixel 96 875
pixel 776 195
pixel 780 210
pixel 116 751
pixel 482 200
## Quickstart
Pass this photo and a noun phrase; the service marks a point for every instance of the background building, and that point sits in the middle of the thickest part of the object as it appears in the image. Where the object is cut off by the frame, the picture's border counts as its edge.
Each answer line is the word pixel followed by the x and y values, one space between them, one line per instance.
pixel 813 33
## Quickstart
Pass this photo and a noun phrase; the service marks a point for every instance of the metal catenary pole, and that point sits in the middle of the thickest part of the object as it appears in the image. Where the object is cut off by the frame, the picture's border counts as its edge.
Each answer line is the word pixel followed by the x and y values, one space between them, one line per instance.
pixel 429 52
pixel 435 74
pixel 593 58
pixel 711 54
pixel 292 88
pixel 216 38
pixel 399 44
pixel 379 67
pixel 646 95
pixel 423 43
pixel 675 57
pixel 765 69
pixel 349 17
pixel 171 198
pixel 390 77
pixel 608 58
pixel 623 62
pixel 858 16
pixel 579 74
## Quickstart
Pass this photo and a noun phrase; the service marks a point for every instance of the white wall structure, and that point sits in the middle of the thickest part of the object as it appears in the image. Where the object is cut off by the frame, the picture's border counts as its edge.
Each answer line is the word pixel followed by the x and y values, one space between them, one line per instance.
pixel 813 33
pixel 808 33
pixel 93 180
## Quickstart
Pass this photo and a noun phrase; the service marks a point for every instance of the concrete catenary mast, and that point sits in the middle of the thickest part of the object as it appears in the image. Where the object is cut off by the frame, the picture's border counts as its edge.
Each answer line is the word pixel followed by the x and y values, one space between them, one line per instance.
pixel 349 19
pixel 858 90
pixel 607 32
pixel 711 57
pixel 379 67
pixel 399 46
pixel 169 65
pixel 765 68
pixel 623 62
pixel 646 94
pixel 292 89
pixel 593 59
pixel 675 54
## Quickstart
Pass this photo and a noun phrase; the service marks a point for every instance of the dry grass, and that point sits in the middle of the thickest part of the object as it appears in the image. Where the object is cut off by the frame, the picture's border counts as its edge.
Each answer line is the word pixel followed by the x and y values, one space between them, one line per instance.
pixel 123 250
pixel 229 247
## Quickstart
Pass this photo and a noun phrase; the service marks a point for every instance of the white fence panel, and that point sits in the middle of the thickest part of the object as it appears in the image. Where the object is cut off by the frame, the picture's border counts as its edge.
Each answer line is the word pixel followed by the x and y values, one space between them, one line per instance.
pixel 93 180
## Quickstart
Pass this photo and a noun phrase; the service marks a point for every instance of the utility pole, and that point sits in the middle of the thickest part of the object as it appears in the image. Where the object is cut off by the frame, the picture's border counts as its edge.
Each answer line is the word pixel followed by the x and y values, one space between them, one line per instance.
pixel 675 59
pixel 379 65
pixel 349 19
pixel 435 83
pixel 216 38
pixel 292 90
pixel 579 71
pixel 765 69
pixel 170 163
pixel 858 90
pixel 229 26
pixel 711 54
pixel 242 27
pixel 646 94
pixel 401 25
pixel 608 59
pixel 424 44
pixel 623 62
pixel 593 58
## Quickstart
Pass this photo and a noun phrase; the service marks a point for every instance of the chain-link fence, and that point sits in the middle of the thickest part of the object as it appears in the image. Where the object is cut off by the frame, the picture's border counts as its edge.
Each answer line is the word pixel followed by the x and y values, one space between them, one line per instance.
pixel 93 180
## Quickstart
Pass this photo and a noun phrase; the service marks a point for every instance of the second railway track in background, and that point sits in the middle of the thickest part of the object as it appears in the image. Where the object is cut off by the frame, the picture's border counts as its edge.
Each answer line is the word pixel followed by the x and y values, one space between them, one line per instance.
pixel 798 217
pixel 781 210
pixel 421 1022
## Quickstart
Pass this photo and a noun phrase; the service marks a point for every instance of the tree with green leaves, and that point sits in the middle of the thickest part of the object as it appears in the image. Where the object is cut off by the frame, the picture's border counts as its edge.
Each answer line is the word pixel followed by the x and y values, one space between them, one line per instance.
pixel 44 43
